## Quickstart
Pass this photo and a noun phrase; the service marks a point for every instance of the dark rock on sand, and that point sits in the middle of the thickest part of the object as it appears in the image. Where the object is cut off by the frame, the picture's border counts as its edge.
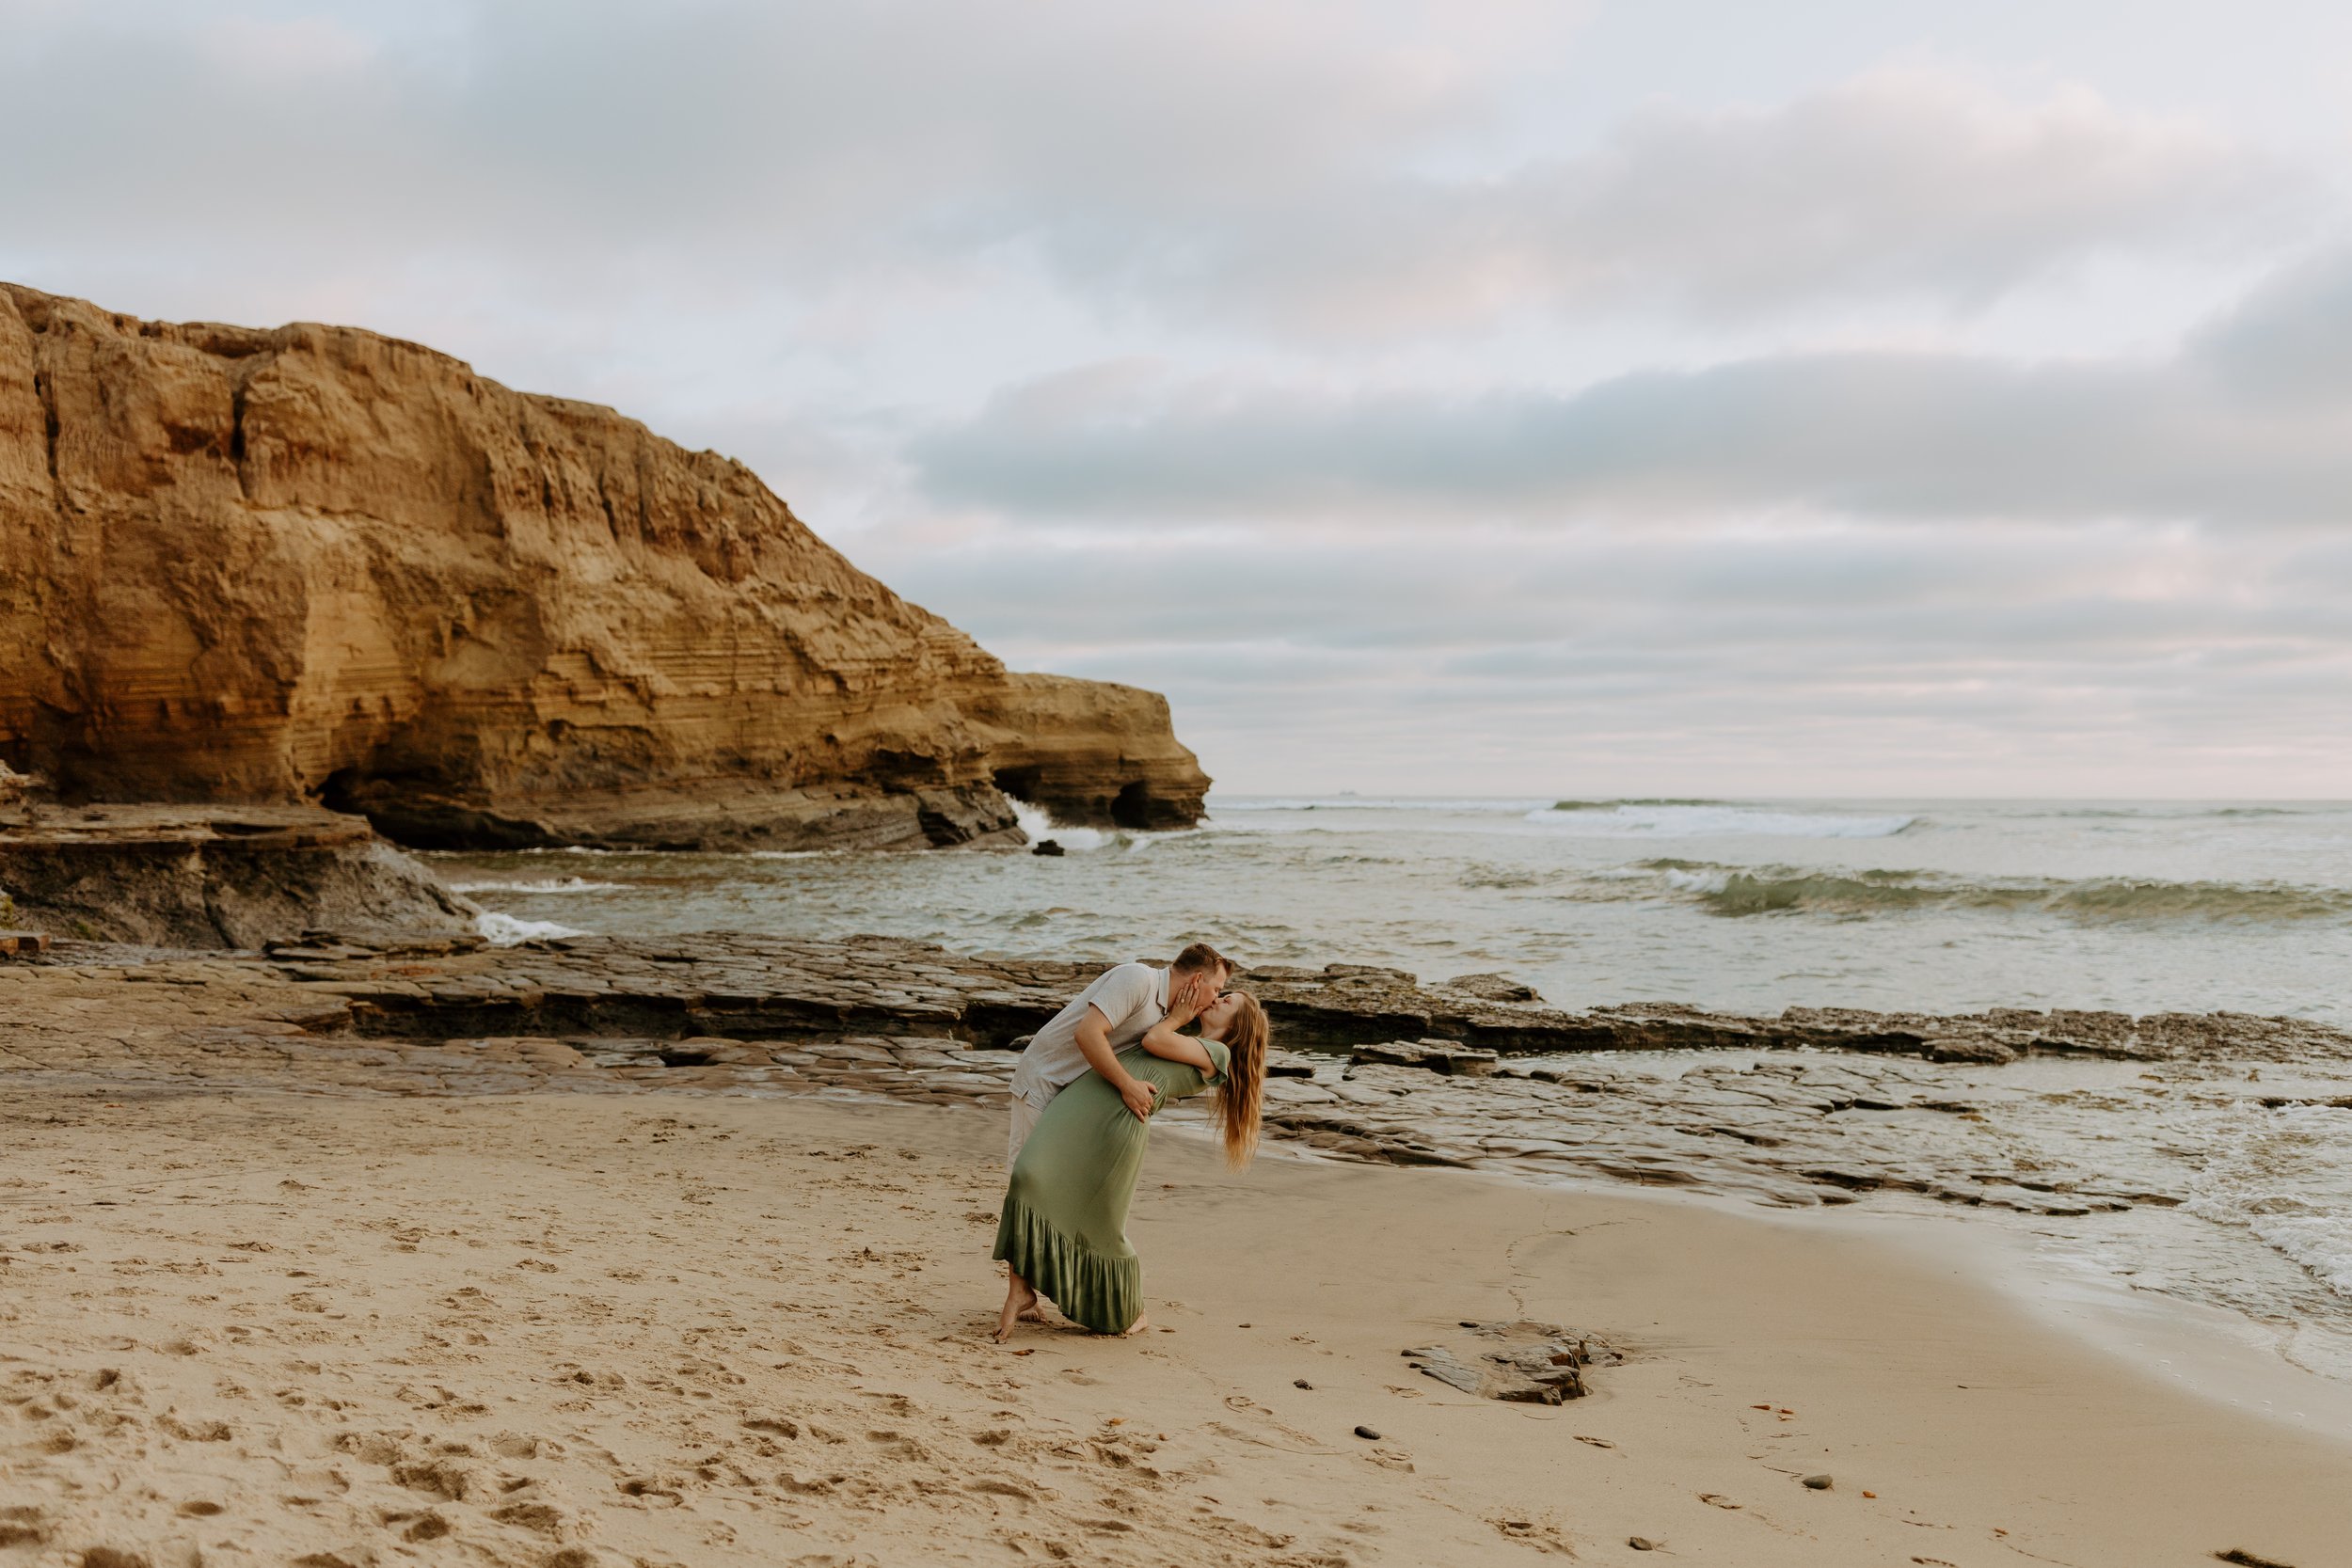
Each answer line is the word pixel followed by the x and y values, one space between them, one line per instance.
pixel 1522 1363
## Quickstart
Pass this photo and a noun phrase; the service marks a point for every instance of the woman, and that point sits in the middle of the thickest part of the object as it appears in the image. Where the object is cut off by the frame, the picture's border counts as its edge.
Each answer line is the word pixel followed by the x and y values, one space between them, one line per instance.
pixel 1064 1228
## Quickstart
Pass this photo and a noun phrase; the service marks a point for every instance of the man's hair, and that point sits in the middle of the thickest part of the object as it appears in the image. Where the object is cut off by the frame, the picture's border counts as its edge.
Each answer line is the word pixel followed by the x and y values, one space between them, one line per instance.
pixel 1202 956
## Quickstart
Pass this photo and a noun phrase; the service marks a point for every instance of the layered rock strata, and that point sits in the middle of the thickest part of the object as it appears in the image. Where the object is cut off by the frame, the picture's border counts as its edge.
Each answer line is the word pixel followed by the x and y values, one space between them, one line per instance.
pixel 313 563
pixel 195 878
pixel 884 1016
pixel 752 986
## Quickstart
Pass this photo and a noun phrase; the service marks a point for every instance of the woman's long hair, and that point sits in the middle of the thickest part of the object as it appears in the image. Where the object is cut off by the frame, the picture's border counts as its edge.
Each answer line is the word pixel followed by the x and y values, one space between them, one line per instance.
pixel 1238 1097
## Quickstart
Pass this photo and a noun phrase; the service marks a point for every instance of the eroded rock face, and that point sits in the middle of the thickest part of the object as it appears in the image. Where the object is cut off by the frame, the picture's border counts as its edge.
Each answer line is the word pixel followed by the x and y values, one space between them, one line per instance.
pixel 316 563
pixel 238 878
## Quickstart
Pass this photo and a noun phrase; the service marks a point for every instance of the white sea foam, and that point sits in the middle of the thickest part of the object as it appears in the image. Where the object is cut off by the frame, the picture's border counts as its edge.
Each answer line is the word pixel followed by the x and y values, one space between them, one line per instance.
pixel 1631 819
pixel 2321 1242
pixel 542 885
pixel 1038 824
pixel 505 930
pixel 2286 1174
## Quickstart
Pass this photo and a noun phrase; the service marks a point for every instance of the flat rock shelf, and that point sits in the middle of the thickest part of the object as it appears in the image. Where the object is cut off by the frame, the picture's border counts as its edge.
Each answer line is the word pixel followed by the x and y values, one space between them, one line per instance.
pixel 1814 1106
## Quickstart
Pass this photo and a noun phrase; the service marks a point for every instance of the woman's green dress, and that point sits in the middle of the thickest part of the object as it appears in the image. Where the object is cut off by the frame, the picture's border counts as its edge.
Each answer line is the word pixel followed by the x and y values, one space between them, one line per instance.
pixel 1064 1227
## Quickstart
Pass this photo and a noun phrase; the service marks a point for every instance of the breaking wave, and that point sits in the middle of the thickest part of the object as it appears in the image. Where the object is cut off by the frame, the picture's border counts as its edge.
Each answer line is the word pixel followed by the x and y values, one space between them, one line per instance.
pixel 505 930
pixel 1770 890
pixel 2192 812
pixel 543 885
pixel 1711 818
pixel 1040 825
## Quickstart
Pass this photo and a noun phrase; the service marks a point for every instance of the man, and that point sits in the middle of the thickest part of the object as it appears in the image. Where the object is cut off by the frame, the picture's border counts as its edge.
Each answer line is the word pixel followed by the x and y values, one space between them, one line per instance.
pixel 1111 1014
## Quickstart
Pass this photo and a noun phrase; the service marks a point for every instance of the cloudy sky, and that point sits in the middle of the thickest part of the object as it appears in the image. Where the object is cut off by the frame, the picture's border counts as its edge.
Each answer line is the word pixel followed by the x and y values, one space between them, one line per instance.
pixel 1838 397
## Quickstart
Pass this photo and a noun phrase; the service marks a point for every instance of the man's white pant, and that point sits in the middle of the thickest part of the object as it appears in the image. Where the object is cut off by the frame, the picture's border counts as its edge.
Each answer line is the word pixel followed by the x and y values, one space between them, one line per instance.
pixel 1023 1123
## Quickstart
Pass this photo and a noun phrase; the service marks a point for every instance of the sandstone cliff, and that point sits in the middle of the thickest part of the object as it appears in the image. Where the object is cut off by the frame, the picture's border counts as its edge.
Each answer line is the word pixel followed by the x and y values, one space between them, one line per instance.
pixel 313 563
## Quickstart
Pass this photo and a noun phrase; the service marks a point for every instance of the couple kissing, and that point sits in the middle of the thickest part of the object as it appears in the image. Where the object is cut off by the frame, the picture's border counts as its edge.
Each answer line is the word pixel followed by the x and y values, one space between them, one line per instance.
pixel 1082 1104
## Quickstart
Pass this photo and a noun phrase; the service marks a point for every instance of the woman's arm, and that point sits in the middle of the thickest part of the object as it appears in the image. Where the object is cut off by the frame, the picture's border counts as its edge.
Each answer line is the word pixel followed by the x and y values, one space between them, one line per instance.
pixel 1162 1040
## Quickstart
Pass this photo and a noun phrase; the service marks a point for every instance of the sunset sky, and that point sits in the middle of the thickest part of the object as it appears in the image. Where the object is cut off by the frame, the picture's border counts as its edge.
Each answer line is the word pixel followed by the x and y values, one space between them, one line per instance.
pixel 1662 398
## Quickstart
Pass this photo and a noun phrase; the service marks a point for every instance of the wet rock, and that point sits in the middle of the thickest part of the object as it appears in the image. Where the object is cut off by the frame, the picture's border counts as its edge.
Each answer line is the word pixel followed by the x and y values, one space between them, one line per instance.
pixel 1048 846
pixel 21 943
pixel 1962 1048
pixel 1436 1055
pixel 1492 988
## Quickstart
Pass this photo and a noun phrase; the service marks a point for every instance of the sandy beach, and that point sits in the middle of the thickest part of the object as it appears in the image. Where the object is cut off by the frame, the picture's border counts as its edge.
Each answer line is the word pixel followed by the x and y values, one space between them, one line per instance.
pixel 1703 649
pixel 683 1329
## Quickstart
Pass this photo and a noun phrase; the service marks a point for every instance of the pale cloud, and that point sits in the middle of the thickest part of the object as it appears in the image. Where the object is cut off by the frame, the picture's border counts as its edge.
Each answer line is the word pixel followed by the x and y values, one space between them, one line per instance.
pixel 1840 657
pixel 2250 421
pixel 1425 395
pixel 1269 168
pixel 1911 182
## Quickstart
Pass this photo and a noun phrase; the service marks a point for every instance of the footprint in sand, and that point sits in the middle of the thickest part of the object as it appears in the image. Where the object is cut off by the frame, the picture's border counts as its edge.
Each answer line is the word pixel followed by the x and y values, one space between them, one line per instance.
pixel 22 1524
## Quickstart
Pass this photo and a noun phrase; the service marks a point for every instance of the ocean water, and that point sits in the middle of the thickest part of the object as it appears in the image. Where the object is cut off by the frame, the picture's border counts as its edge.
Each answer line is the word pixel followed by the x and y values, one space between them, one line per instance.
pixel 1751 906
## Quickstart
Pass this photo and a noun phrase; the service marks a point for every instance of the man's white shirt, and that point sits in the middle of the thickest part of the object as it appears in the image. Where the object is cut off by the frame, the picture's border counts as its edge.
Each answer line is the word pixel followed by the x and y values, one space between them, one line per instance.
pixel 1133 997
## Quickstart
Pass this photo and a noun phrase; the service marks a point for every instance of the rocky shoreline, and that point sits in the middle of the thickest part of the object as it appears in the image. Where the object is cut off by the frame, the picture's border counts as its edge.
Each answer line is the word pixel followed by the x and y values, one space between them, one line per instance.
pixel 1814 1106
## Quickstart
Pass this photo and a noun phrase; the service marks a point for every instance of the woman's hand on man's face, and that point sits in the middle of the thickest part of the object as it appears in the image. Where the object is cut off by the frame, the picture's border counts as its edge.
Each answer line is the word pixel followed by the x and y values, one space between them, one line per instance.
pixel 1190 998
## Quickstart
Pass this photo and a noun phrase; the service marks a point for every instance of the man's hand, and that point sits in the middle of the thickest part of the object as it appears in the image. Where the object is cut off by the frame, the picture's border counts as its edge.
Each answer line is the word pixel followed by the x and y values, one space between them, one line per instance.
pixel 1140 1097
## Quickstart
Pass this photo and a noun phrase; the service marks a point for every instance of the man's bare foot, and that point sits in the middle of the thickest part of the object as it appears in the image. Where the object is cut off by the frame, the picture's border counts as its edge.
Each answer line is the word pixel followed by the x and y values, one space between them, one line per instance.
pixel 1143 1320
pixel 1019 1303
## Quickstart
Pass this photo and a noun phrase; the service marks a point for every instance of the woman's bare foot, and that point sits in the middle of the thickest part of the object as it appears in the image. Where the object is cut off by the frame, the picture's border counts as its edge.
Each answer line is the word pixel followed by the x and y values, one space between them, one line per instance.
pixel 1020 1302
pixel 1143 1320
